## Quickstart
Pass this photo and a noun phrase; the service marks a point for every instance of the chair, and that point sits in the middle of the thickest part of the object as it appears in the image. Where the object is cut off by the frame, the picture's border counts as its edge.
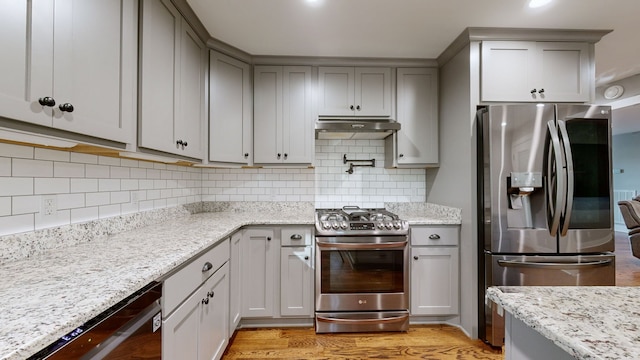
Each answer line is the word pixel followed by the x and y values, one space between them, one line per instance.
pixel 630 210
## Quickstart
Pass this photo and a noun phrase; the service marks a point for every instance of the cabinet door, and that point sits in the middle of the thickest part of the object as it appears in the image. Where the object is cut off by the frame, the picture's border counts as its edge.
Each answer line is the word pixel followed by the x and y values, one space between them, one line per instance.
pixel 214 319
pixel 296 281
pixel 564 71
pixel 417 105
pixel 434 281
pixel 94 67
pixel 234 282
pixel 372 91
pixel 336 91
pixel 297 119
pixel 180 330
pixel 506 71
pixel 267 115
pixel 160 37
pixel 191 111
pixel 230 109
pixel 26 64
pixel 259 256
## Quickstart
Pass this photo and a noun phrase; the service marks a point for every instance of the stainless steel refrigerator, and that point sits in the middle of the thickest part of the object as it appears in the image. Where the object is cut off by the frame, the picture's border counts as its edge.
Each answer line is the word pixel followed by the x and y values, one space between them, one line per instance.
pixel 544 200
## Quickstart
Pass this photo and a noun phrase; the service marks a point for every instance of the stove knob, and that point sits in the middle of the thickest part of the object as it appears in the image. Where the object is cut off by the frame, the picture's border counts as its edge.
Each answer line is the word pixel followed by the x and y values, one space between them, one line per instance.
pixel 335 225
pixel 326 225
pixel 344 225
pixel 380 226
pixel 397 225
pixel 388 226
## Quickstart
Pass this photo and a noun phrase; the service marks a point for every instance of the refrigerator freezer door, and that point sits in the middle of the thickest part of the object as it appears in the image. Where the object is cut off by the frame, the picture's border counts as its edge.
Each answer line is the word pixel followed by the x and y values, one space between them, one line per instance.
pixel 515 142
pixel 587 225
pixel 536 270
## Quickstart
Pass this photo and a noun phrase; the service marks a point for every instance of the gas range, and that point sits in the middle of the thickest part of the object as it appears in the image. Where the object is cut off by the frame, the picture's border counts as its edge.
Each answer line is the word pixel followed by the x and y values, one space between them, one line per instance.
pixel 354 221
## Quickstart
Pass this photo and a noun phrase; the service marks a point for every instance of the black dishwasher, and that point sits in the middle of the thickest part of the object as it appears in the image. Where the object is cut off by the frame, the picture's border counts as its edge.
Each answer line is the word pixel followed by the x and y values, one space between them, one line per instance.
pixel 131 329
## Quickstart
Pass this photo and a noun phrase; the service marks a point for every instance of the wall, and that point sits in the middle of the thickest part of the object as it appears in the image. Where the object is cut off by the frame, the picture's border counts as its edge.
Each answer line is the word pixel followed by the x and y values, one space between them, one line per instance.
pixel 84 187
pixel 89 187
pixel 626 148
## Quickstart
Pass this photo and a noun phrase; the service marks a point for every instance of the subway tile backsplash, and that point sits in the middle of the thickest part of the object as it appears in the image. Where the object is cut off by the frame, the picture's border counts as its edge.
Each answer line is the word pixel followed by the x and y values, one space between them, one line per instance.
pixel 86 187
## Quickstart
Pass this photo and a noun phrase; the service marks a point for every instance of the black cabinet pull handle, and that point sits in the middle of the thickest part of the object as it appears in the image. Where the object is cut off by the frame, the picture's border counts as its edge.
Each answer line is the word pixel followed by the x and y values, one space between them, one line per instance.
pixel 296 237
pixel 66 107
pixel 434 237
pixel 207 266
pixel 47 101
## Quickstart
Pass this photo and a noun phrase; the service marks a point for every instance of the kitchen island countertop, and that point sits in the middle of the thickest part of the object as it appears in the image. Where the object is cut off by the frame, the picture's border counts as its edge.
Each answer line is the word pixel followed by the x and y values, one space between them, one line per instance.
pixel 588 322
pixel 47 294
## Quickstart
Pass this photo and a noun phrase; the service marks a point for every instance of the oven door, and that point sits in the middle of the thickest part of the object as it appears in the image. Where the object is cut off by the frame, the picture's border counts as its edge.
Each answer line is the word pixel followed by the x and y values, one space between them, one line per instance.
pixel 362 273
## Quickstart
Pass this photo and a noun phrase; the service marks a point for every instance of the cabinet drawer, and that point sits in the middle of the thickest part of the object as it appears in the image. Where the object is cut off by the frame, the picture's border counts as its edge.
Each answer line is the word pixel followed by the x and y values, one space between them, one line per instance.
pixel 186 280
pixel 435 235
pixel 296 236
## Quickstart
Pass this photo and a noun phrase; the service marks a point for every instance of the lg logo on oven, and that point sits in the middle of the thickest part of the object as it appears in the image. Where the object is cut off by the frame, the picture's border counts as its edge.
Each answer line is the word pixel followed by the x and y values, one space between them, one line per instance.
pixel 362 302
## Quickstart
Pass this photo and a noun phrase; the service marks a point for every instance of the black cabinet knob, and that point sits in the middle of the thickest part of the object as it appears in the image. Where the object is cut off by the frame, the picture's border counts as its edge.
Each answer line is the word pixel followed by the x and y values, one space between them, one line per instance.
pixel 66 107
pixel 268 238
pixel 285 156
pixel 246 155
pixel 351 107
pixel 415 257
pixel 47 101
pixel 401 155
pixel 306 257
pixel 205 301
pixel 181 143
pixel 533 91
pixel 541 91
pixel 210 294
pixel 279 155
pixel 358 107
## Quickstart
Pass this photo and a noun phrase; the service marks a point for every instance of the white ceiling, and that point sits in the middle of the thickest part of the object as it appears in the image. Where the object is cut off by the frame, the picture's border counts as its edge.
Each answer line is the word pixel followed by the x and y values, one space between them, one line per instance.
pixel 413 28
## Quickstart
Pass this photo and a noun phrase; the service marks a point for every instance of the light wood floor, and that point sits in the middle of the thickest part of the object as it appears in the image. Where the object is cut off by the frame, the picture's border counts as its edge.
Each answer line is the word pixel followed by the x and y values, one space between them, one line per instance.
pixel 420 342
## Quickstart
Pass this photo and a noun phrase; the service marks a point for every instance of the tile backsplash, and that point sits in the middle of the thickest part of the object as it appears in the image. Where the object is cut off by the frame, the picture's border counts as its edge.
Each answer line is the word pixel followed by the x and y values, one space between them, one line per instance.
pixel 42 188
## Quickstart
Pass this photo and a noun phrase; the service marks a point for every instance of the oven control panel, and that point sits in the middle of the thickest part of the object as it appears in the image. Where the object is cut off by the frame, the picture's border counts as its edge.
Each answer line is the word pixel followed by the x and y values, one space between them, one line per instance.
pixel 362 226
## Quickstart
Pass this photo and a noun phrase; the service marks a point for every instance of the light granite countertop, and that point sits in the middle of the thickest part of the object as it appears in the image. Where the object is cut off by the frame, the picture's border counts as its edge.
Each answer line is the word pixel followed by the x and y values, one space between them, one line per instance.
pixel 55 280
pixel 588 322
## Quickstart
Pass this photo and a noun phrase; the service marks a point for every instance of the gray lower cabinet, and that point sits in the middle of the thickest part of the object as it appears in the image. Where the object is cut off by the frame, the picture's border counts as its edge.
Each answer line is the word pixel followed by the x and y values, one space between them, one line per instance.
pixel 234 281
pixel 195 307
pixel 435 270
pixel 277 272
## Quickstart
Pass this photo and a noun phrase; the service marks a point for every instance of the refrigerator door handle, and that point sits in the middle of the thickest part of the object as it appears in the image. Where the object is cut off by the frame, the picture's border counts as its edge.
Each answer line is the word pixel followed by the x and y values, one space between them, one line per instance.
pixel 554 265
pixel 570 177
pixel 558 204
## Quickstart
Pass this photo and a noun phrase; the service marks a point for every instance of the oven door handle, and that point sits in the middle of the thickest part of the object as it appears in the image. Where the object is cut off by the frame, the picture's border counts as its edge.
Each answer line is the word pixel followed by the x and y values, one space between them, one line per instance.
pixel 362 246
pixel 386 320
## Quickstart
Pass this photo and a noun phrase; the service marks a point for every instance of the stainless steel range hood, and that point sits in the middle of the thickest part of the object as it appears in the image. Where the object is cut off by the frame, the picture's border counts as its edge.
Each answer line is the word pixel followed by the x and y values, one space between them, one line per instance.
pixel 355 129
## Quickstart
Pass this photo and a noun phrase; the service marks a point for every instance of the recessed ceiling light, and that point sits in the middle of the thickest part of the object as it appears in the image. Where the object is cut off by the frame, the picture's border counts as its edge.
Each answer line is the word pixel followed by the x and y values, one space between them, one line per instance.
pixel 538 3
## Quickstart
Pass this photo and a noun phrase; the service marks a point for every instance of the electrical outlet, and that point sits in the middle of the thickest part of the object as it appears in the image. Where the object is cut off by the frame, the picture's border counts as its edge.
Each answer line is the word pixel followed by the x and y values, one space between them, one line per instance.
pixel 49 206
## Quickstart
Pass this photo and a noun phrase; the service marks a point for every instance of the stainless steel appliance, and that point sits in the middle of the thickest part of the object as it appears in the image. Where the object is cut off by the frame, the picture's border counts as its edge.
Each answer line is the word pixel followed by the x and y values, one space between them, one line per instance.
pixel 362 279
pixel 544 200
pixel 131 329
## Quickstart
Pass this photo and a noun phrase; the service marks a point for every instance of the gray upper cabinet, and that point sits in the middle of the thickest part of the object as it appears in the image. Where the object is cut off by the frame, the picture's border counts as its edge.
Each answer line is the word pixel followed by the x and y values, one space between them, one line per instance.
pixel 359 91
pixel 416 143
pixel 71 65
pixel 173 66
pixel 530 71
pixel 283 120
pixel 230 106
